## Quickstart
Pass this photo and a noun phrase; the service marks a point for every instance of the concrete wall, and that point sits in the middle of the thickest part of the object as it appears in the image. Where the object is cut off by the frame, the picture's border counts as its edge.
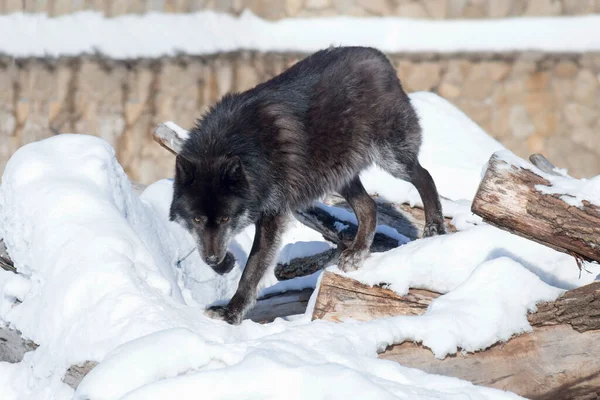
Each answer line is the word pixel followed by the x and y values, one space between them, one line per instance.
pixel 274 9
pixel 530 102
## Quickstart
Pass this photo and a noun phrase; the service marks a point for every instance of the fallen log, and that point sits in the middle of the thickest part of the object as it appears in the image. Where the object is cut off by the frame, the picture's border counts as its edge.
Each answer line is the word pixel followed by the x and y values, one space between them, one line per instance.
pixel 341 298
pixel 558 360
pixel 280 305
pixel 304 266
pixel 509 198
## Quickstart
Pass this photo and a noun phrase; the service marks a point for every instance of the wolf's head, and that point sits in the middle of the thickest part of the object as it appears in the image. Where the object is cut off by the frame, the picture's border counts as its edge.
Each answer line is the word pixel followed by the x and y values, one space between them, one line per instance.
pixel 209 198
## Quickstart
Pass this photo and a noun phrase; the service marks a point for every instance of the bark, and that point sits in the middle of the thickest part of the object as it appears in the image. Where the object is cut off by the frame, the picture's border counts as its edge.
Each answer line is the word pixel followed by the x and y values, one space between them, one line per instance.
pixel 508 199
pixel 558 360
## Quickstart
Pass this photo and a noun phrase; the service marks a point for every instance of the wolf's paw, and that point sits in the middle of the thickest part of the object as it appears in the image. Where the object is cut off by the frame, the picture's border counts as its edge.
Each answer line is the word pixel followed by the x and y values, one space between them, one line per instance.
pixel 434 229
pixel 223 313
pixel 351 260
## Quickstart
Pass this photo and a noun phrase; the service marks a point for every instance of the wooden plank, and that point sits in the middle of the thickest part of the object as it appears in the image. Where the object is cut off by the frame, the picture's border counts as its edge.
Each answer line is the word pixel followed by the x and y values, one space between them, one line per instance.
pixel 508 199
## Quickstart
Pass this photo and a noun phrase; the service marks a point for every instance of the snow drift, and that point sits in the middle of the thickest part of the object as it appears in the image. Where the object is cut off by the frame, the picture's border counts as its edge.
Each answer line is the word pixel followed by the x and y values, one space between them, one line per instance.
pixel 141 36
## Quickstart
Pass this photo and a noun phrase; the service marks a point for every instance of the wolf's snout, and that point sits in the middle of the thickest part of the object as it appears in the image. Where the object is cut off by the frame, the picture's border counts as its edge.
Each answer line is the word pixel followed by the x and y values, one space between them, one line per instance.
pixel 223 265
pixel 211 259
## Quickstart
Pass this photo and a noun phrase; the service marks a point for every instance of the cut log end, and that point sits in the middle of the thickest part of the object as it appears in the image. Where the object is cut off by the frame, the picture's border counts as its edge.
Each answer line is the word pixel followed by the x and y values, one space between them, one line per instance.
pixel 168 138
pixel 343 298
pixel 508 198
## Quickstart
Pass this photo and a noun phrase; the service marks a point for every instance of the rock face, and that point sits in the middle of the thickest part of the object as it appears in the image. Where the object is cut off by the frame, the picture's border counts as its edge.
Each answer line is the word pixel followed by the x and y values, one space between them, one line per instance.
pixel 530 102
pixel 276 9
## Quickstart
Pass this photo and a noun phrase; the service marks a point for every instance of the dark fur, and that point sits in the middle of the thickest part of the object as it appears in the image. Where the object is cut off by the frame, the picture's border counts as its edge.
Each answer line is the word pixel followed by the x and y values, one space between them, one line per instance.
pixel 256 156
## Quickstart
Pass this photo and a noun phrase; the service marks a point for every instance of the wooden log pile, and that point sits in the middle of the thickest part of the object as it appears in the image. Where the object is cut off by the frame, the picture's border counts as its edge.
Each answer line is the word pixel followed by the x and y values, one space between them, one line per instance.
pixel 558 360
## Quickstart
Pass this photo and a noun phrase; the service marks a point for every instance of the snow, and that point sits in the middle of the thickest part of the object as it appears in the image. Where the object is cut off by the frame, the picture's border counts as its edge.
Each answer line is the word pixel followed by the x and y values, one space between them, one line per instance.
pixel 151 35
pixel 104 277
pixel 21 382
pixel 579 190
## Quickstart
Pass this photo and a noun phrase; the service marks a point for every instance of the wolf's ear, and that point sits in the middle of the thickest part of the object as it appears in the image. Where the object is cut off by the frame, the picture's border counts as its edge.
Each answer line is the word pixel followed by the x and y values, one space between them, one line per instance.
pixel 184 169
pixel 233 169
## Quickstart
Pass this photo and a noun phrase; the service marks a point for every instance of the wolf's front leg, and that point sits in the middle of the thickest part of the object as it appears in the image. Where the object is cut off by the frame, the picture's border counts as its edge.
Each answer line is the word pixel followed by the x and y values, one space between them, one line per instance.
pixel 262 256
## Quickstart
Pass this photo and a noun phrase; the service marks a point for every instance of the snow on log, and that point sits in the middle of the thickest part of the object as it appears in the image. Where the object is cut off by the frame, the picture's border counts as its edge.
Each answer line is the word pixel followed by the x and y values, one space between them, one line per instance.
pixel 558 360
pixel 512 196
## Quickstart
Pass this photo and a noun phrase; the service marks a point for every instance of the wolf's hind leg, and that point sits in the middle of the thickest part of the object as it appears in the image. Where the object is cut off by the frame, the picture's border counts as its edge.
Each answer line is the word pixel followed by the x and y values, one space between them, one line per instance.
pixel 403 164
pixel 434 218
pixel 366 212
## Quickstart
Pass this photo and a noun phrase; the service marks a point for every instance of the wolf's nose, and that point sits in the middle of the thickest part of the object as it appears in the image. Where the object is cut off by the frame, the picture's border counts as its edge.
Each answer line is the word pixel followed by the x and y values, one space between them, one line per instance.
pixel 211 260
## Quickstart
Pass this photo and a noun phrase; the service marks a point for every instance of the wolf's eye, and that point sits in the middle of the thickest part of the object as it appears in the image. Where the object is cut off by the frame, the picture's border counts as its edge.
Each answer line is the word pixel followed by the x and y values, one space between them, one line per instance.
pixel 198 219
pixel 225 219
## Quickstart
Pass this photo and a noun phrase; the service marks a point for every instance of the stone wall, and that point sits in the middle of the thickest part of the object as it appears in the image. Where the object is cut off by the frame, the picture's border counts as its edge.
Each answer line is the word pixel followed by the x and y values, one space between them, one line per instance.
pixel 530 102
pixel 275 9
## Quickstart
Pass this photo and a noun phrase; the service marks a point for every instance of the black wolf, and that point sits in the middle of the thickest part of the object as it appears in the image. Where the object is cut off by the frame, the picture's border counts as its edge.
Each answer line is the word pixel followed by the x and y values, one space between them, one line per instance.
pixel 259 155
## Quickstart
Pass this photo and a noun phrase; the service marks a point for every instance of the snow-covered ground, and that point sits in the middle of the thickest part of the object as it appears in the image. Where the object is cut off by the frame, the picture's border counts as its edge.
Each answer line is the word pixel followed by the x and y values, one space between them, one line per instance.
pixel 149 35
pixel 99 280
